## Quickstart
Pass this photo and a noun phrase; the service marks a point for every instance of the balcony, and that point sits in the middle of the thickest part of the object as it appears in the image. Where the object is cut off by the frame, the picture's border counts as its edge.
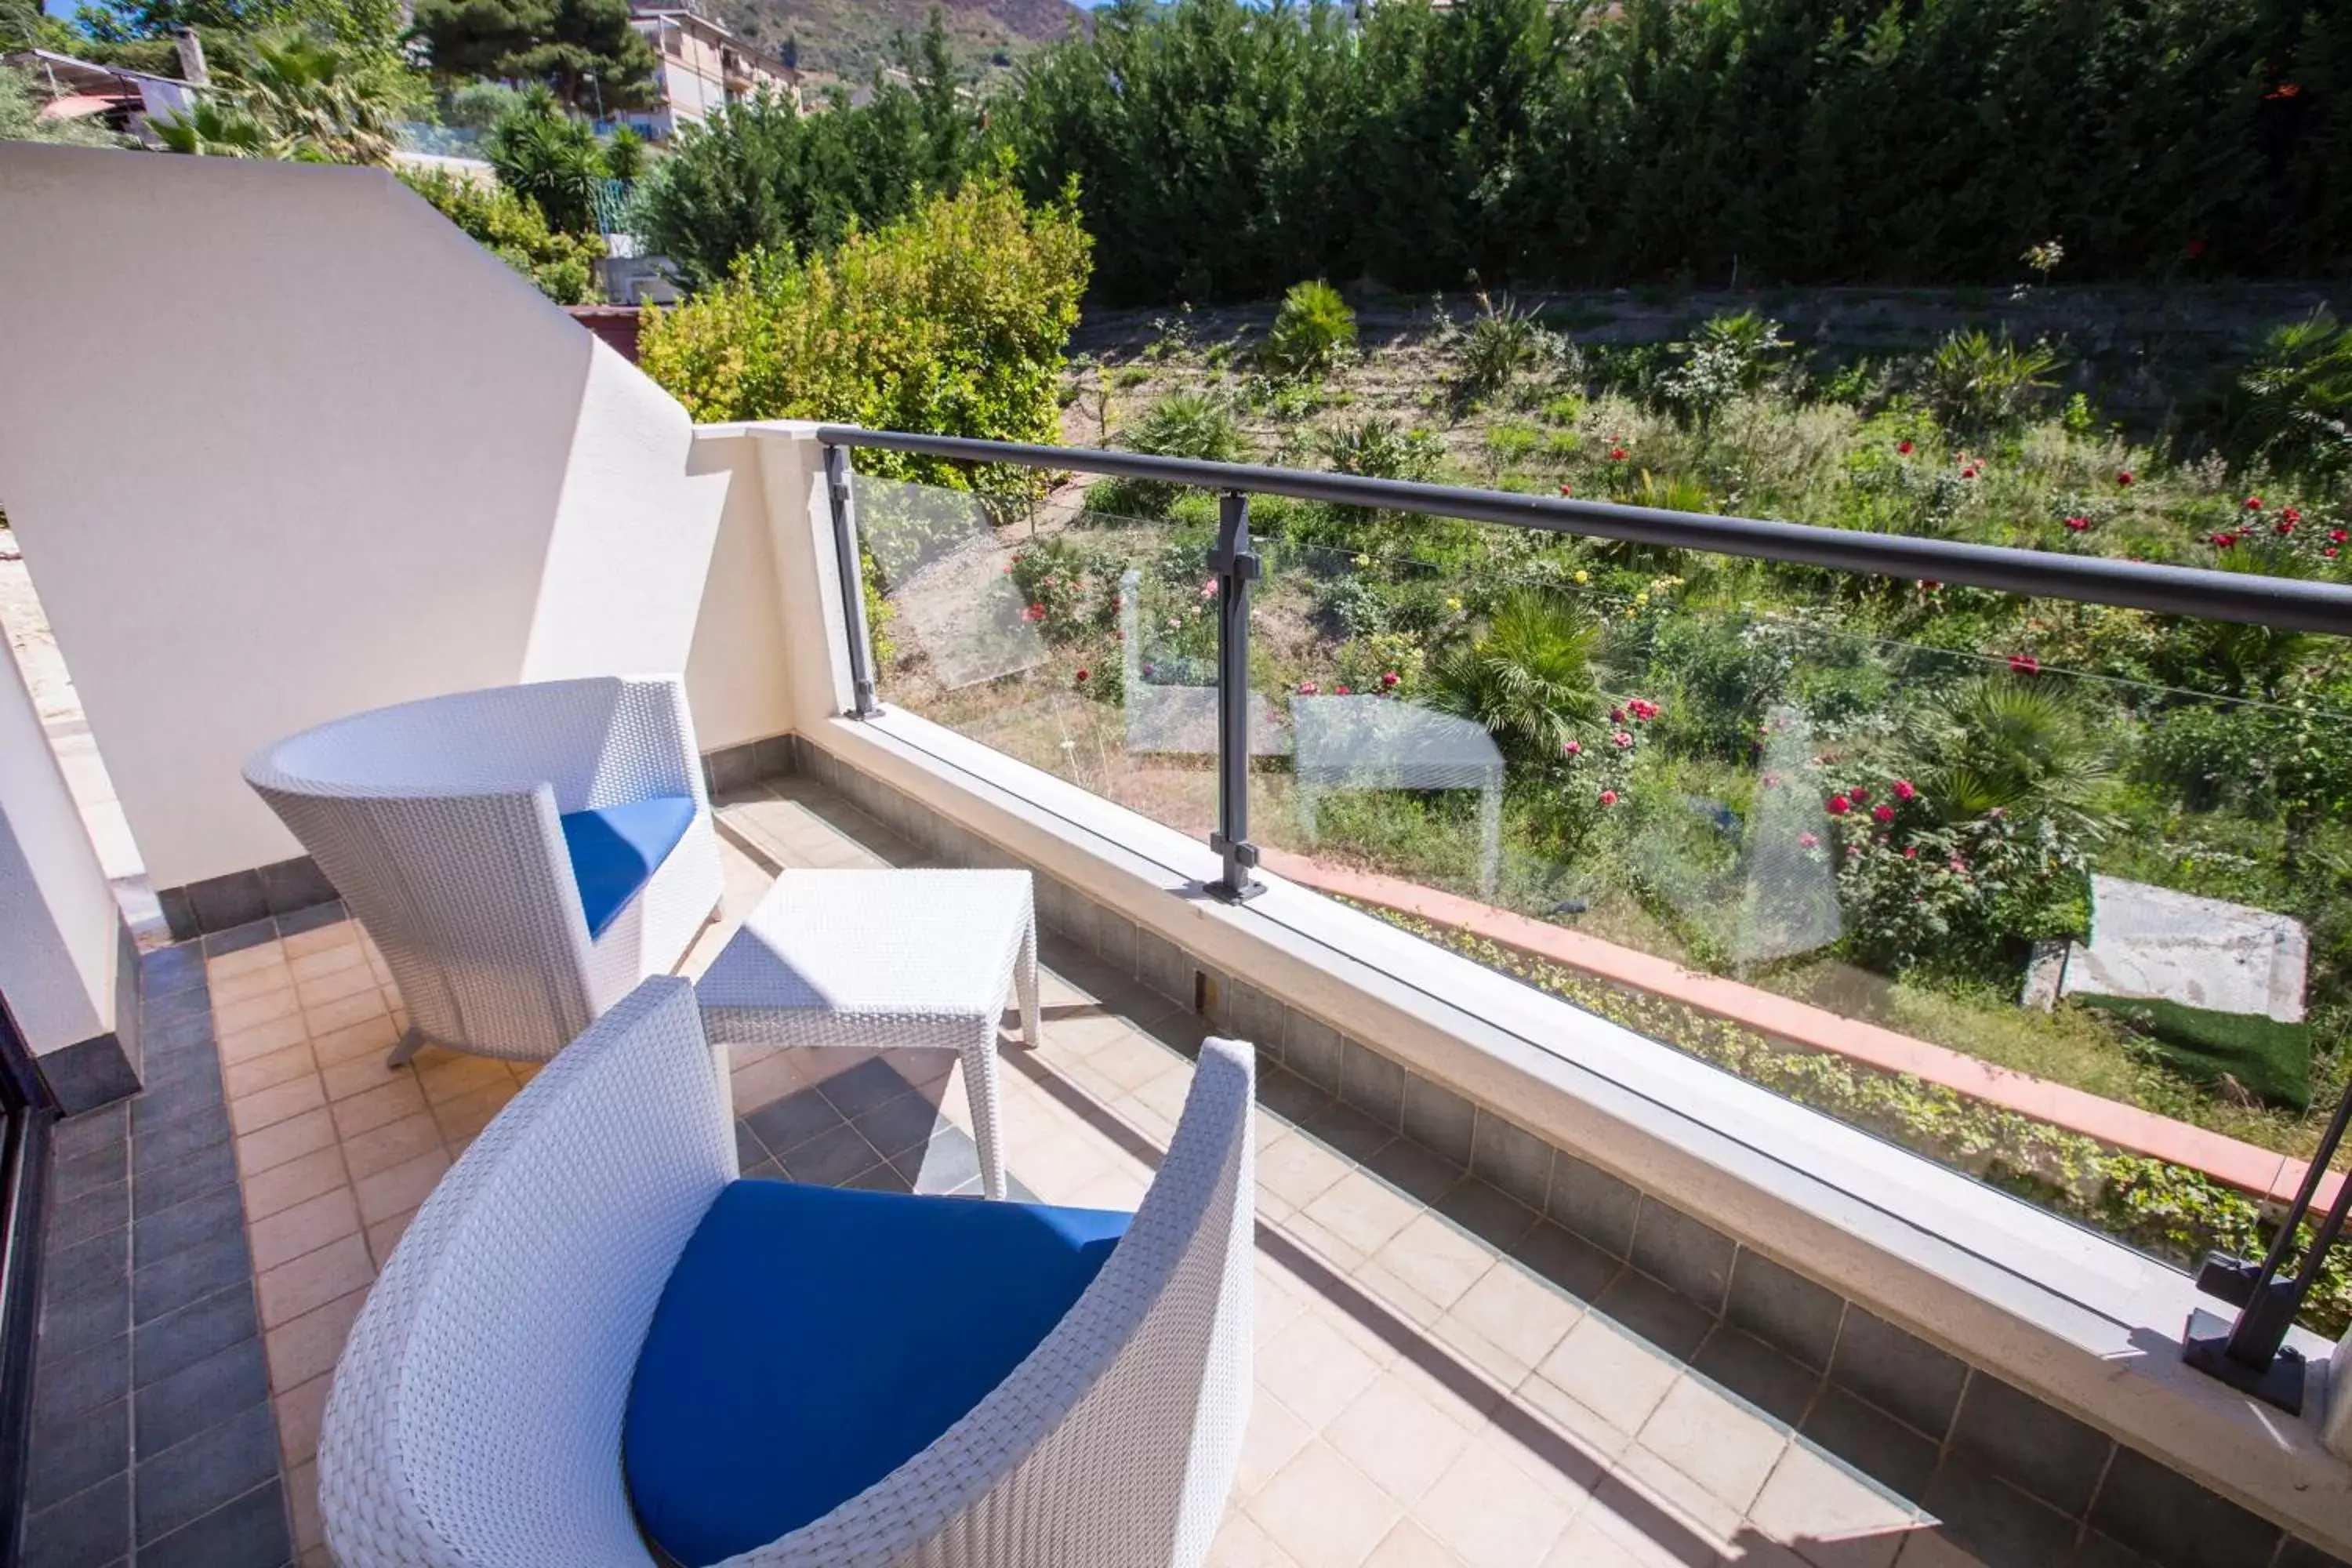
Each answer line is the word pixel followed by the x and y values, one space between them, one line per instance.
pixel 1534 1287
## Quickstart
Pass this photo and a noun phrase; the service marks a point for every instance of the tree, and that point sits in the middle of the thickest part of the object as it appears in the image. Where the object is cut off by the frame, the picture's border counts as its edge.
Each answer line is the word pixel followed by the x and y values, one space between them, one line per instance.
pixel 545 156
pixel 297 96
pixel 584 50
pixel 560 266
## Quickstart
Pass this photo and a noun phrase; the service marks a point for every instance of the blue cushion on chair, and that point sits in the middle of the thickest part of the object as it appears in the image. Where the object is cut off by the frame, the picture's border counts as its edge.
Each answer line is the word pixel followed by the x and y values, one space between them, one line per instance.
pixel 812 1340
pixel 615 849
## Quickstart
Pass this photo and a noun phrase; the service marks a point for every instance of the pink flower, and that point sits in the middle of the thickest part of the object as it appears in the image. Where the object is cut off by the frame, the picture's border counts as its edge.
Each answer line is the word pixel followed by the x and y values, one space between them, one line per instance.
pixel 2024 664
pixel 1911 854
pixel 1568 490
pixel 1906 790
pixel 1808 840
pixel 1387 678
pixel 1859 795
pixel 2124 478
pixel 1883 813
pixel 1837 806
pixel 1209 589
pixel 1306 689
pixel 1034 613
pixel 1969 472
pixel 2221 541
pixel 1622 739
pixel 1609 797
pixel 1616 715
pixel 2329 553
pixel 1339 692
pixel 1960 866
pixel 2253 503
pixel 2291 515
pixel 1082 675
pixel 1904 446
pixel 1573 749
pixel 1616 454
pixel 2077 524
pixel 1771 781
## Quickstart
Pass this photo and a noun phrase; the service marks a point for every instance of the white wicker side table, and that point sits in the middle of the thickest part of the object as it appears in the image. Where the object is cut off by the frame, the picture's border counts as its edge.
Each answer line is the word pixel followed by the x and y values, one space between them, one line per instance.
pixel 884 958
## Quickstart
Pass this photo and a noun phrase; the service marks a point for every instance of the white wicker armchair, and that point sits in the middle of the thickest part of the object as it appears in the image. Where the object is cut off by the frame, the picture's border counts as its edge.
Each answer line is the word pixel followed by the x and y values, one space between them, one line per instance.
pixel 523 856
pixel 477 1417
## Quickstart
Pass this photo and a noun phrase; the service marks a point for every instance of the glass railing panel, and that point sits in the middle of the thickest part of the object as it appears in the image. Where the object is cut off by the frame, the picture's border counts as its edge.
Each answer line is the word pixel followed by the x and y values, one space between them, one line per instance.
pixel 2104 849
pixel 1073 639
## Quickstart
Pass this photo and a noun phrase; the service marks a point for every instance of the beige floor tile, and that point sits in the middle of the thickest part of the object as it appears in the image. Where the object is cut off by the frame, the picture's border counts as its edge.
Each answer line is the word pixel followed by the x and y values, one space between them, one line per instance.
pixel 306 1176
pixel 320 989
pixel 267 1106
pixel 262 1038
pixel 319 938
pixel 244 961
pixel 237 1015
pixel 370 1039
pixel 468 1113
pixel 1491 1512
pixel 384 1234
pixel 1436 1259
pixel 454 1080
pixel 289 1140
pixel 1597 1539
pixel 766 1080
pixel 1518 1312
pixel 1721 1445
pixel 1642 1486
pixel 1241 1543
pixel 314 1280
pixel 1362 1211
pixel 304 1347
pixel 401 1187
pixel 1055 1163
pixel 305 1227
pixel 1297 1169
pixel 1400 1437
pixel 1121 1187
pixel 302 1500
pixel 1410 1546
pixel 1592 1434
pixel 357 1073
pixel 300 1411
pixel 260 981
pixel 256 1074
pixel 1316 1370
pixel 1812 1501
pixel 329 960
pixel 396 1097
pixel 1609 1371
pixel 1323 1511
pixel 1271 1440
pixel 1130 1060
pixel 380 1148
pixel 345 1011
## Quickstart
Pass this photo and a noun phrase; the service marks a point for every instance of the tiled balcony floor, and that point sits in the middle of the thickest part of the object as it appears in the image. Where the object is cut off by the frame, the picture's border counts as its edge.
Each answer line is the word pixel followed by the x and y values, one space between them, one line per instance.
pixel 1442 1377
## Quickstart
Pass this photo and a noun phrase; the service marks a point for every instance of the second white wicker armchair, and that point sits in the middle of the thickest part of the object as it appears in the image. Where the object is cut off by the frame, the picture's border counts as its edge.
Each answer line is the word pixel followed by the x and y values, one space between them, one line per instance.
pixel 523 856
pixel 593 1327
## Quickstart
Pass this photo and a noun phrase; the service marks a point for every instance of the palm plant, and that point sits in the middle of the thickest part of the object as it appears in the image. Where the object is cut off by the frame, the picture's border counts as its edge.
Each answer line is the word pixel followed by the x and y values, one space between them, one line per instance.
pixel 2016 745
pixel 212 129
pixel 297 97
pixel 546 156
pixel 1526 679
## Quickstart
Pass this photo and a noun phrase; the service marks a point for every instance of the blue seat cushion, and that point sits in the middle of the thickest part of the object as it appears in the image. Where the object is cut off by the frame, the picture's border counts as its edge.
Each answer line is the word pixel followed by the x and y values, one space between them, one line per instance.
pixel 616 849
pixel 812 1340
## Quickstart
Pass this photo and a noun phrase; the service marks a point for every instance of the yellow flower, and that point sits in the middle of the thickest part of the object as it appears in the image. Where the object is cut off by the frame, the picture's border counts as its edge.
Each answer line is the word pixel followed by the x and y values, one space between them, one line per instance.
pixel 1641 598
pixel 1453 603
pixel 1363 561
pixel 1584 576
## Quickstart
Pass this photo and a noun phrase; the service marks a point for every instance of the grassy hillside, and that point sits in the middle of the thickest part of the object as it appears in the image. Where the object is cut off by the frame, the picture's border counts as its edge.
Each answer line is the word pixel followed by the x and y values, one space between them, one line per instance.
pixel 849 38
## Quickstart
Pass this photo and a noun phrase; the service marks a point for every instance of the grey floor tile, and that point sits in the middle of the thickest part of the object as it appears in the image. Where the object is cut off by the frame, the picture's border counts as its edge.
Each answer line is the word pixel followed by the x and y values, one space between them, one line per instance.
pixel 200 1397
pixel 900 1126
pixel 92 1130
pixel 946 1162
pixel 1784 1309
pixel 748 1150
pixel 1567 1259
pixel 71 1454
pixel 1415 1171
pixel 189 1275
pixel 90 1529
pixel 785 1124
pixel 2050 1454
pixel 165 1345
pixel 294 922
pixel 68 1384
pixel 2157 1510
pixel 106 1165
pixel 100 1314
pixel 867 1087
pixel 1489 1213
pixel 1997 1524
pixel 73 1270
pixel 1871 1441
pixel 236 939
pixel 177 1141
pixel 831 1158
pixel 93 1212
pixel 184 1483
pixel 1347 1131
pixel 1673 1323
pixel 165 1233
pixel 1686 1253
pixel 250 1531
pixel 1899 1372
pixel 208 1170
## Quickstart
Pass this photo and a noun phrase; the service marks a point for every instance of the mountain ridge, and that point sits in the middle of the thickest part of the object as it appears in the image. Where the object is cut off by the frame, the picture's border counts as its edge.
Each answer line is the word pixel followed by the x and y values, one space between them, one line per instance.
pixel 850 39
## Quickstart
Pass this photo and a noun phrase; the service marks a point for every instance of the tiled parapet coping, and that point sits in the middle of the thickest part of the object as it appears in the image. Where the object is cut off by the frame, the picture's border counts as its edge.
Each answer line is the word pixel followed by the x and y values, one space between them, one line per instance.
pixel 2262 1172
pixel 1901 1401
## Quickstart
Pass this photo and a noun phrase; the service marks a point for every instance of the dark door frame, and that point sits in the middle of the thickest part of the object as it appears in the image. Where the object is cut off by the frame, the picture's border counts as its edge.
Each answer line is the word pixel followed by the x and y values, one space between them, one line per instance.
pixel 27 1113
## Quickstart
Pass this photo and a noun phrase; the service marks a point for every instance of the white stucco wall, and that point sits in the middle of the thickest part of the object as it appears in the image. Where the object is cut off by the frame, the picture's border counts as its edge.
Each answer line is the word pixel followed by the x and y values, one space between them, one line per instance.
pixel 735 677
pixel 58 928
pixel 280 444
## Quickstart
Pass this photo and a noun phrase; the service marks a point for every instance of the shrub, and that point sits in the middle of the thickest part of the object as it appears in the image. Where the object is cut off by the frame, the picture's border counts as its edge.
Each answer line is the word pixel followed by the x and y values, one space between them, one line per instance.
pixel 1377 449
pixel 1502 343
pixel 950 321
pixel 1070 588
pixel 545 156
pixel 1198 425
pixel 1978 386
pixel 1528 677
pixel 2290 408
pixel 1730 356
pixel 1313 331
pixel 560 266
pixel 2009 744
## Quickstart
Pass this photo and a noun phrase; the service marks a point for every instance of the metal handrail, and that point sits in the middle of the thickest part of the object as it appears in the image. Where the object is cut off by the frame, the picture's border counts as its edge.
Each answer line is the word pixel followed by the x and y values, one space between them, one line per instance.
pixel 2287 603
pixel 2249 1352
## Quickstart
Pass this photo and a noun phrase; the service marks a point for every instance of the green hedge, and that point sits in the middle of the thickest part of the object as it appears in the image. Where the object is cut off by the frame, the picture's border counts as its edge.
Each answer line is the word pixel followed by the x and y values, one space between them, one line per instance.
pixel 2268 1060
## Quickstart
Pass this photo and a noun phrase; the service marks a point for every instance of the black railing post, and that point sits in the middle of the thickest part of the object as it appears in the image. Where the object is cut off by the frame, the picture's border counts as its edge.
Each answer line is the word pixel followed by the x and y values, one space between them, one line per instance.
pixel 2252 1354
pixel 853 583
pixel 1235 565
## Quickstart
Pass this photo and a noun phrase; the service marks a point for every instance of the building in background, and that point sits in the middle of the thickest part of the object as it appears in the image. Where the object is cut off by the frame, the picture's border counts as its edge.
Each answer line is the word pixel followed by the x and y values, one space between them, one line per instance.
pixel 703 66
